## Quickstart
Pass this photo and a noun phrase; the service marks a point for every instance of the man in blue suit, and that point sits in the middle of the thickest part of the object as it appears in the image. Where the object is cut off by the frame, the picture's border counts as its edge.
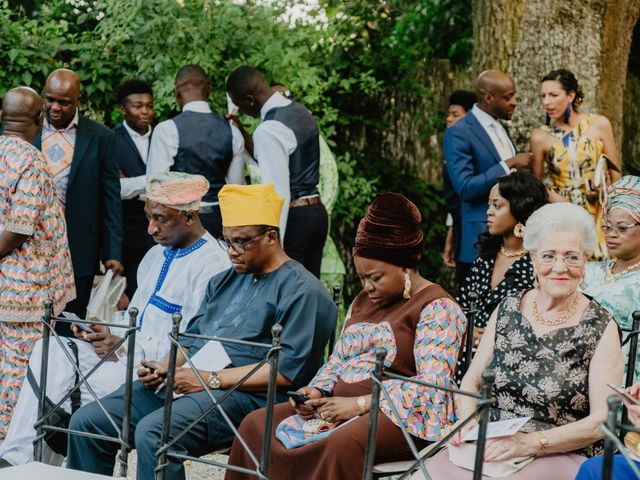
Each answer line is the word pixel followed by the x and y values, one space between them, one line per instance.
pixel 478 150
pixel 133 135
pixel 81 159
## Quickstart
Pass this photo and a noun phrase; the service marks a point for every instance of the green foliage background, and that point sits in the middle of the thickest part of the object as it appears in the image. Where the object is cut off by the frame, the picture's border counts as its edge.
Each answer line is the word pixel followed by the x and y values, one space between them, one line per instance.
pixel 364 48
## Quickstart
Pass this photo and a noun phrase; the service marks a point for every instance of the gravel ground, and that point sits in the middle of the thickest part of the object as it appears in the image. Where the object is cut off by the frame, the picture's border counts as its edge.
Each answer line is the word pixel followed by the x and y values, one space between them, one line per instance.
pixel 195 471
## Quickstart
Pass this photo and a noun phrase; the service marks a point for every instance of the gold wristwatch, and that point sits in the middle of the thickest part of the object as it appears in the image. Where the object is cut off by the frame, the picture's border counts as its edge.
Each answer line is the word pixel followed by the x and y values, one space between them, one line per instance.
pixel 544 443
pixel 214 381
pixel 362 405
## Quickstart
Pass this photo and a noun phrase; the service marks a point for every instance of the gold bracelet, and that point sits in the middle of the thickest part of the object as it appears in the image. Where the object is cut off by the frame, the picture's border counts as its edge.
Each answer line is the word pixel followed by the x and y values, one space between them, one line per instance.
pixel 362 405
pixel 544 443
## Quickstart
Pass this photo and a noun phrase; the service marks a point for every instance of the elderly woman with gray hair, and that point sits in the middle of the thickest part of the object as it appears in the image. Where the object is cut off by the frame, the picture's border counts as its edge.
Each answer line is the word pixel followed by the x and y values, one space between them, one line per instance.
pixel 553 351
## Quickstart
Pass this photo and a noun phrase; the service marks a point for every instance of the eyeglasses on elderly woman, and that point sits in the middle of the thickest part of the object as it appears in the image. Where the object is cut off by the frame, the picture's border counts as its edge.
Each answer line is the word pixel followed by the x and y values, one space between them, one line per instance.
pixel 570 259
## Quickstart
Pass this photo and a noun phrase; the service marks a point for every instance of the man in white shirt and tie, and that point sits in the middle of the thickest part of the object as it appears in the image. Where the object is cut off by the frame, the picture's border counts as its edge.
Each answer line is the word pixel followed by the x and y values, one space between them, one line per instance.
pixel 478 150
pixel 133 136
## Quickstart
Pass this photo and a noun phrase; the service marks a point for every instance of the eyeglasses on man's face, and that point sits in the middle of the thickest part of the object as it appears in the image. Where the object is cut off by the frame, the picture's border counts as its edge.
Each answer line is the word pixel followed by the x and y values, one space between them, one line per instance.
pixel 570 259
pixel 620 228
pixel 239 247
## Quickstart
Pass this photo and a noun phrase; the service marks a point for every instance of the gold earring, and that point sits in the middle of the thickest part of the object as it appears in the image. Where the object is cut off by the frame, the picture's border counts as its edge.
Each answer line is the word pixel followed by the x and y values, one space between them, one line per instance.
pixel 406 294
pixel 518 230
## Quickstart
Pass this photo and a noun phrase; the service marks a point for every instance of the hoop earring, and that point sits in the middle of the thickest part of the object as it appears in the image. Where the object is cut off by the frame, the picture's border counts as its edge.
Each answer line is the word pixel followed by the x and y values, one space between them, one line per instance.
pixel 518 230
pixel 547 120
pixel 406 294
pixel 567 114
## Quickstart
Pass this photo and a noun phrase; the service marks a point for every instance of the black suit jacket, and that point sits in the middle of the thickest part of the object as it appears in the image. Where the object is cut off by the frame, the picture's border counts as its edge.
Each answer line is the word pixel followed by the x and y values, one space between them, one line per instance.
pixel 93 211
pixel 131 165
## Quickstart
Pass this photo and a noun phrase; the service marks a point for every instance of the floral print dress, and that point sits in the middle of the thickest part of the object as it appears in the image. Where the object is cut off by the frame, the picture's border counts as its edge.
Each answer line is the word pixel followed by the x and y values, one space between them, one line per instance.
pixel 544 377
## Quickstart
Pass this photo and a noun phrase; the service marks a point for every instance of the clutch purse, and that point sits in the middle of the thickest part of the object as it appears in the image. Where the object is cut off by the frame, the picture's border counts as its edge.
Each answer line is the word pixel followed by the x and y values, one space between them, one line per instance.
pixel 600 175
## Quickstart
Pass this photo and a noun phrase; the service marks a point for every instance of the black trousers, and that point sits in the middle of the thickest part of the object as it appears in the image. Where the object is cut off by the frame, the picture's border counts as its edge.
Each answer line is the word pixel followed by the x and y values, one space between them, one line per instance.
pixel 212 222
pixel 306 233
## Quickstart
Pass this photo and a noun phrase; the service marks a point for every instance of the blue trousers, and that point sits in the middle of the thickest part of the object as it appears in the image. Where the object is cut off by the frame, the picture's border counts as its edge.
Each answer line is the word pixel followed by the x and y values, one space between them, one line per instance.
pixel 211 433
pixel 592 469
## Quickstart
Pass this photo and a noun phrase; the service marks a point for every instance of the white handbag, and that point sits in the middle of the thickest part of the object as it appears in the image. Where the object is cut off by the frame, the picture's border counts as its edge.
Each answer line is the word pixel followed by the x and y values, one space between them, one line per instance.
pixel 107 290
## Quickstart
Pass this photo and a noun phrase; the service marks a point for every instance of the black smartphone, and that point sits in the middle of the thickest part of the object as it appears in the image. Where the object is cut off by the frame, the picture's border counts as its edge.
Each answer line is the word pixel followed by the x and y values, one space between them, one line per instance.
pixel 298 397
pixel 620 391
pixel 149 366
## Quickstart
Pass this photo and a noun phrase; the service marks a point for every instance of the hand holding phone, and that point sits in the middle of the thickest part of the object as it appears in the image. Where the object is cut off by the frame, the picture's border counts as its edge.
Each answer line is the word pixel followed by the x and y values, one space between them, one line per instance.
pixel 298 397
pixel 82 326
pixel 620 391
pixel 149 366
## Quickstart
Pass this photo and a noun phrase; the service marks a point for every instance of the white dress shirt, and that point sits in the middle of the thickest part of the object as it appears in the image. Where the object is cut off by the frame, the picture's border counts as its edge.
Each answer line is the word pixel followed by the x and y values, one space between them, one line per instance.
pixel 165 142
pixel 273 143
pixel 497 134
pixel 131 187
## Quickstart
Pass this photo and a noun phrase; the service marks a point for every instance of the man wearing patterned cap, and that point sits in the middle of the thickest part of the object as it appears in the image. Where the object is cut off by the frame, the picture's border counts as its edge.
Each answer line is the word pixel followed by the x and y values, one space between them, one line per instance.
pixel 263 288
pixel 172 277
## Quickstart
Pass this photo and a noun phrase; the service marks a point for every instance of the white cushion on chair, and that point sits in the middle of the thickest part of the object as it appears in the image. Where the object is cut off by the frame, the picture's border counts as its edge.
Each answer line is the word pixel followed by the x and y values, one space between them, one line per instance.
pixel 35 470
pixel 400 467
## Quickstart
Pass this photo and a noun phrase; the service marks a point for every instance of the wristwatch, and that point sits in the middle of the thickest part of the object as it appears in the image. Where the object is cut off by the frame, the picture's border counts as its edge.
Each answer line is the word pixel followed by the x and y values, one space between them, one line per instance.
pixel 214 381
pixel 362 405
pixel 544 443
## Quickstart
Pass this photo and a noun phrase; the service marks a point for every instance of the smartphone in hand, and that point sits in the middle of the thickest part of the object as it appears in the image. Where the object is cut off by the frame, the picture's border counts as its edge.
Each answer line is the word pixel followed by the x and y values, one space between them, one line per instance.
pixel 620 391
pixel 149 366
pixel 298 397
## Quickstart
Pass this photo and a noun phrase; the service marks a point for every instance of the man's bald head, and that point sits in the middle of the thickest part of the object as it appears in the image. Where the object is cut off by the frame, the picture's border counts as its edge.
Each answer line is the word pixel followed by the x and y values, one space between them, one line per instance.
pixel 248 89
pixel 22 113
pixel 61 97
pixel 496 93
pixel 191 84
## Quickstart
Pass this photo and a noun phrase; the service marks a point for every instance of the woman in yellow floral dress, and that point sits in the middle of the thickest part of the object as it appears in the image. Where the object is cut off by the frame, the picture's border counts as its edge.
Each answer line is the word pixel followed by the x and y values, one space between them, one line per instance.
pixel 567 150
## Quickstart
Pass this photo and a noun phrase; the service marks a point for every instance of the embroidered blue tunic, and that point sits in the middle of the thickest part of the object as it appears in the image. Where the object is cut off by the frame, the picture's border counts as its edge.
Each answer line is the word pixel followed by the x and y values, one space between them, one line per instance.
pixel 245 307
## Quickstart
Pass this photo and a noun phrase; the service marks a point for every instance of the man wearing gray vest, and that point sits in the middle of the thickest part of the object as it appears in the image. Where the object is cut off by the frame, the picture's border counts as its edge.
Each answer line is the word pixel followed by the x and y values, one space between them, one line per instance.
pixel 198 141
pixel 287 149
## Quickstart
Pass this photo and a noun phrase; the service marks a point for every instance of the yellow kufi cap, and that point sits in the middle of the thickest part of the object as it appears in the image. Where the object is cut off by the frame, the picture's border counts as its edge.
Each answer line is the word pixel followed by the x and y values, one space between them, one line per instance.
pixel 243 205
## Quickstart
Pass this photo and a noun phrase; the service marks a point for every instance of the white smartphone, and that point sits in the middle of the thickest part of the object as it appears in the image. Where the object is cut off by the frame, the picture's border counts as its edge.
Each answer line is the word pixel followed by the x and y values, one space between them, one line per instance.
pixel 620 391
pixel 82 326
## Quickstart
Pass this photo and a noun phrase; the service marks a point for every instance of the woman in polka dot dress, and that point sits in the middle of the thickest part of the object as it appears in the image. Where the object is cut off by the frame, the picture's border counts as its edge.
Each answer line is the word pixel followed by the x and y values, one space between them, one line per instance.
pixel 503 266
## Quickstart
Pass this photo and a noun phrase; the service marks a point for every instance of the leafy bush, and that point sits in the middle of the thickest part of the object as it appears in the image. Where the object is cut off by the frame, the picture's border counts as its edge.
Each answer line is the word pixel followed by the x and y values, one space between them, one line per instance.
pixel 336 58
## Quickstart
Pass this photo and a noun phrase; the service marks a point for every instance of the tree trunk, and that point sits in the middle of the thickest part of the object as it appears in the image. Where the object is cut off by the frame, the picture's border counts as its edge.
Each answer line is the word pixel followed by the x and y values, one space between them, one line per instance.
pixel 529 38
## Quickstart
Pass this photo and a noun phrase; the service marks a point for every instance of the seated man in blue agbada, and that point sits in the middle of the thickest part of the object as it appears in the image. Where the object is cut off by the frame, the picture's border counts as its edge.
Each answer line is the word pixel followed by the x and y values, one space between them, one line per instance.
pixel 264 287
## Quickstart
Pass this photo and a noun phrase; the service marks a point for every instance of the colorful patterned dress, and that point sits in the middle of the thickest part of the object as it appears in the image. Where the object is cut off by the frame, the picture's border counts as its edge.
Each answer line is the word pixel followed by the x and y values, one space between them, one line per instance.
pixel 40 269
pixel 618 295
pixel 422 337
pixel 570 163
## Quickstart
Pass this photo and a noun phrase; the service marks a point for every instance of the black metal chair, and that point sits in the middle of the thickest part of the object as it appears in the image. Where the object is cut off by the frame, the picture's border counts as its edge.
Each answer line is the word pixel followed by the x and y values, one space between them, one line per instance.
pixel 271 357
pixel 337 299
pixel 122 438
pixel 611 440
pixel 372 471
pixel 466 353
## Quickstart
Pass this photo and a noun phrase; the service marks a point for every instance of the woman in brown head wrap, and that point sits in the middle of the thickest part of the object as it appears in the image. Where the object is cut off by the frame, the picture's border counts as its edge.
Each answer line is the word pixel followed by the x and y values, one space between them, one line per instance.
pixel 421 327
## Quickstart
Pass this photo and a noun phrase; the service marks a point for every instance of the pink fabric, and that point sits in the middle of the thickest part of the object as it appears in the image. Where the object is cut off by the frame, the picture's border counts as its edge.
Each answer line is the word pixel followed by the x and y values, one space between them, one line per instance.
pixel 178 190
pixel 559 466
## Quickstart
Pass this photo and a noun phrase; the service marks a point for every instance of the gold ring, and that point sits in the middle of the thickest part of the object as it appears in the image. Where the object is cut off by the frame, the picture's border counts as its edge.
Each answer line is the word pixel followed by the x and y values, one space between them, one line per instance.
pixel 322 415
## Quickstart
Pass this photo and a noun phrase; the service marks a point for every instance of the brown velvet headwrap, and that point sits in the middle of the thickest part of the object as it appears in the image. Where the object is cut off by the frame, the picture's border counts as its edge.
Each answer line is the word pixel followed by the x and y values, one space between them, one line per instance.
pixel 390 231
